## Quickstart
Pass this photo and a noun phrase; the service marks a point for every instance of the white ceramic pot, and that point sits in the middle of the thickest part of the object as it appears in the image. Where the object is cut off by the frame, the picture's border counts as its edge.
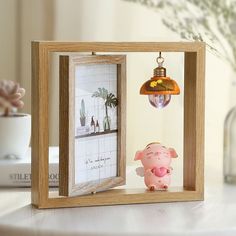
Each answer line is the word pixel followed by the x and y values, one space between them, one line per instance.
pixel 15 132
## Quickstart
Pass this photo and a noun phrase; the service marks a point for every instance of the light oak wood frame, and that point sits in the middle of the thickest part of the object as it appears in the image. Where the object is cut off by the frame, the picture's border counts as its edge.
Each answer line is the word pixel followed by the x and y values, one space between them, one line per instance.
pixel 194 74
pixel 67 185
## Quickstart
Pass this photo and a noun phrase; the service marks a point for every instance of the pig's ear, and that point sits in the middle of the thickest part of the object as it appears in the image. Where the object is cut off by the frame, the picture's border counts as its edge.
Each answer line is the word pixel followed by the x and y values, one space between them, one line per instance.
pixel 173 153
pixel 138 155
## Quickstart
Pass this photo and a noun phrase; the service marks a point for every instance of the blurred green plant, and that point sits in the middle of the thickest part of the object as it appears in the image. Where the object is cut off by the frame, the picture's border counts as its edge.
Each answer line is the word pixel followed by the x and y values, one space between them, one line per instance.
pixel 211 21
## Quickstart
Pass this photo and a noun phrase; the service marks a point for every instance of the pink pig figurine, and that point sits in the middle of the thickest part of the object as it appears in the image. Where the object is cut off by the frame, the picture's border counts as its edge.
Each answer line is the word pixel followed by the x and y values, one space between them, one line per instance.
pixel 156 160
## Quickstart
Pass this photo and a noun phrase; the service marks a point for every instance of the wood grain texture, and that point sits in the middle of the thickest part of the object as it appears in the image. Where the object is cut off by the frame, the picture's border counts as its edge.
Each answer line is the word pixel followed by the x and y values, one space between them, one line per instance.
pixel 194 120
pixel 64 116
pixel 53 46
pixel 67 185
pixel 122 98
pixel 200 120
pixel 39 140
pixel 193 124
pixel 123 196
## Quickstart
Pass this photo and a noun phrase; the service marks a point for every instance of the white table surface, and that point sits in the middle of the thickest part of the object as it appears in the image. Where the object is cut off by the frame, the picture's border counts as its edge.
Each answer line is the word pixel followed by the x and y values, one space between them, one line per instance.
pixel 215 216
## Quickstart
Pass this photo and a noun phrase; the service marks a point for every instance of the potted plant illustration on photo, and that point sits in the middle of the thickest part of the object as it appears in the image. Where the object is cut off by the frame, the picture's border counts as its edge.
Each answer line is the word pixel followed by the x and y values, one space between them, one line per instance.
pixel 110 101
pixel 15 128
pixel 82 113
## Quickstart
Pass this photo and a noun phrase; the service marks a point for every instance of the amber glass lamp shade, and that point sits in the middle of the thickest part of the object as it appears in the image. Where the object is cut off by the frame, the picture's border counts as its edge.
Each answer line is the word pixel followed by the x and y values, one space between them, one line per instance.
pixel 160 88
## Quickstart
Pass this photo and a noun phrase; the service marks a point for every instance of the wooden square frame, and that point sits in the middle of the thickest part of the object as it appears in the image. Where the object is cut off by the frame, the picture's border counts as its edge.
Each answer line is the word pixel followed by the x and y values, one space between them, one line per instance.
pixel 67 186
pixel 194 73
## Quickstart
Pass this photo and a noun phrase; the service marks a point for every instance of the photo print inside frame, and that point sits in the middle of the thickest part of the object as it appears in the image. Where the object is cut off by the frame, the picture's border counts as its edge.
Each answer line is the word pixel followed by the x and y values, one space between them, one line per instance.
pixel 92 112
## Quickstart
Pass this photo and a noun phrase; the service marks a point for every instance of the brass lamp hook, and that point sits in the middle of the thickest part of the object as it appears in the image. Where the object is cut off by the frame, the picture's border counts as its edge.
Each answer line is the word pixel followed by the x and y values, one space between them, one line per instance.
pixel 160 60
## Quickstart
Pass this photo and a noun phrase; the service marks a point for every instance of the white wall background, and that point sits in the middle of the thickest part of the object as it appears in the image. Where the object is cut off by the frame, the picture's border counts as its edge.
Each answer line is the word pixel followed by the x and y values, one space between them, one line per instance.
pixel 8 47
pixel 114 20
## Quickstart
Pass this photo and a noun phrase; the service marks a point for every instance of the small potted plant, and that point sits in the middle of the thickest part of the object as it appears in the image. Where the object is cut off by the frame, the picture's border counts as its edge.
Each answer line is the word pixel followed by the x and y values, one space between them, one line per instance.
pixel 109 101
pixel 15 128
pixel 82 113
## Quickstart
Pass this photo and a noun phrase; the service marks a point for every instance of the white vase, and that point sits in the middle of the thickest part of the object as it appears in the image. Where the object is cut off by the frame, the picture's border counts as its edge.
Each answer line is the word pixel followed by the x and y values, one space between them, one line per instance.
pixel 229 164
pixel 15 132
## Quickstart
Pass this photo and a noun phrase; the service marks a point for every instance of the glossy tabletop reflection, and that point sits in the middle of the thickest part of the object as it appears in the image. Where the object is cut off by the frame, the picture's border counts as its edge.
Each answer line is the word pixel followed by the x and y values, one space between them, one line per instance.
pixel 214 216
